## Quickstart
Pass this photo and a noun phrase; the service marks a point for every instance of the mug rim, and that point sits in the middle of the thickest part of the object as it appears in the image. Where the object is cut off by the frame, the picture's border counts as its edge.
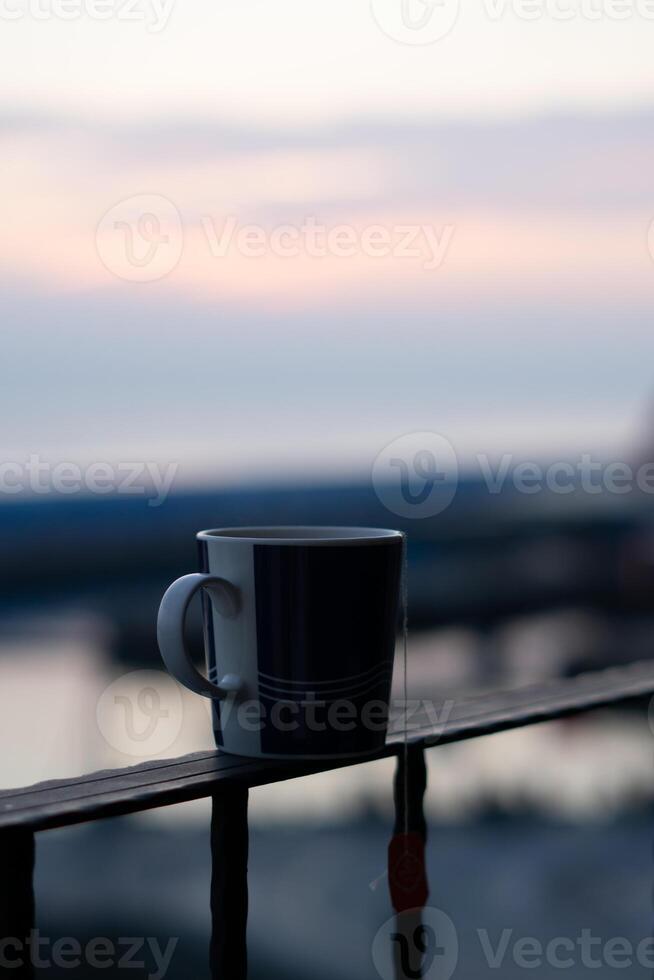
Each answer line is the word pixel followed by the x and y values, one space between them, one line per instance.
pixel 321 535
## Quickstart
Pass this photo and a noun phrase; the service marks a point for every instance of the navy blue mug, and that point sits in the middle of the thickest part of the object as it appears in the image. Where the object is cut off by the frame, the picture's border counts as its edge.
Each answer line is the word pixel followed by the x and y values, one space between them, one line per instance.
pixel 300 626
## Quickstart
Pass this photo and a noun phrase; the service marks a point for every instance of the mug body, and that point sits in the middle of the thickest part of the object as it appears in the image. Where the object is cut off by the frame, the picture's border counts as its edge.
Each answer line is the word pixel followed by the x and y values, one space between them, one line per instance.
pixel 312 638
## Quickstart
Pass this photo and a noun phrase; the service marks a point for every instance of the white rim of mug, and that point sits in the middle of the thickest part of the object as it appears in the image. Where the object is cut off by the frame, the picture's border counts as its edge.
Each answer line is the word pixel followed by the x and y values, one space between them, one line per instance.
pixel 302 535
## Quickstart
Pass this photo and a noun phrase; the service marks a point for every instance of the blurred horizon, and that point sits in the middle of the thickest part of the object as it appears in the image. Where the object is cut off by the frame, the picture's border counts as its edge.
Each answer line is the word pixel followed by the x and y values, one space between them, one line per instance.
pixel 530 334
pixel 485 268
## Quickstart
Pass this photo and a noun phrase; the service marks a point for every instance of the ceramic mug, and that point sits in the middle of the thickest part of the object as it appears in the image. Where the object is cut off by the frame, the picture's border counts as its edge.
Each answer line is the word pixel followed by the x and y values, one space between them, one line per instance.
pixel 300 626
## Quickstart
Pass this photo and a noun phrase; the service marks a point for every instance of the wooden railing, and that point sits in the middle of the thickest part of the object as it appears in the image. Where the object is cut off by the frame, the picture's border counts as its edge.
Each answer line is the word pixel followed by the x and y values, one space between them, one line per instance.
pixel 227 780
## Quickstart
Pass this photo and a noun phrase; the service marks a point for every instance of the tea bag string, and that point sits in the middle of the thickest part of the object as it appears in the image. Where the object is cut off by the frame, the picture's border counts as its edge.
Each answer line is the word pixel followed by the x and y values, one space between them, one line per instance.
pixel 405 684
pixel 402 833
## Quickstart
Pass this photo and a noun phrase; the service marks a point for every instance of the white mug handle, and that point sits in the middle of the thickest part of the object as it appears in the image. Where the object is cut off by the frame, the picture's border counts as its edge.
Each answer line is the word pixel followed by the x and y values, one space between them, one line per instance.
pixel 170 631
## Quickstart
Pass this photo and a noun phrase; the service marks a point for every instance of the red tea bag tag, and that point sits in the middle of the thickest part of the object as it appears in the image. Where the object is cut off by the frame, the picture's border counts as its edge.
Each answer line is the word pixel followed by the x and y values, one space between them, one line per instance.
pixel 407 875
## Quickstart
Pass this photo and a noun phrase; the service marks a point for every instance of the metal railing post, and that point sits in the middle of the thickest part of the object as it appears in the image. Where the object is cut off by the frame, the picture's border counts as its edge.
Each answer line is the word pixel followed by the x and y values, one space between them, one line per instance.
pixel 16 902
pixel 229 884
pixel 406 863
pixel 409 812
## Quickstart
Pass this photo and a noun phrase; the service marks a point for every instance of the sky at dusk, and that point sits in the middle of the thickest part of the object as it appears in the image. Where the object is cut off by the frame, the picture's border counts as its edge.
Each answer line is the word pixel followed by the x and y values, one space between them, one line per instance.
pixel 267 238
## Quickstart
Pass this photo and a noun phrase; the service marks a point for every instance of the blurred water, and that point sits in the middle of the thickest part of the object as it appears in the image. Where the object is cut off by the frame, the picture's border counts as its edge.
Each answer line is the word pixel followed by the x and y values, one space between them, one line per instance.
pixel 66 708
pixel 313 911
pixel 543 832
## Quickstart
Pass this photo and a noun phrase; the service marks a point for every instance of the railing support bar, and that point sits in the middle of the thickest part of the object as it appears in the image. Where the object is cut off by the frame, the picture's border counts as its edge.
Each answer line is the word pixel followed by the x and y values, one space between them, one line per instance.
pixel 16 902
pixel 409 791
pixel 229 884
pixel 406 863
